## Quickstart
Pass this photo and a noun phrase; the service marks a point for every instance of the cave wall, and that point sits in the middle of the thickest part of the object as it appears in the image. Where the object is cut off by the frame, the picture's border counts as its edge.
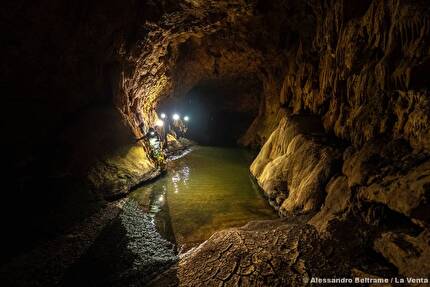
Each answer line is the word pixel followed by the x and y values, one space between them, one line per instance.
pixel 361 68
pixel 65 144
pixel 337 76
pixel 204 41
pixel 368 77
pixel 62 66
pixel 53 67
pixel 363 165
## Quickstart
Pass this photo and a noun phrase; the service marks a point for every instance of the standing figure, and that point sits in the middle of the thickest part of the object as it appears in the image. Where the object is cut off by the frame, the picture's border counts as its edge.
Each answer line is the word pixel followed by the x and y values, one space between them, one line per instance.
pixel 153 139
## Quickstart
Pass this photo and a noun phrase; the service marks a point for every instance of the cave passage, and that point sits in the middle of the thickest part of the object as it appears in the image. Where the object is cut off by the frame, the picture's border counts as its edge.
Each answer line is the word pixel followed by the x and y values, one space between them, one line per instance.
pixel 332 96
pixel 220 111
pixel 207 190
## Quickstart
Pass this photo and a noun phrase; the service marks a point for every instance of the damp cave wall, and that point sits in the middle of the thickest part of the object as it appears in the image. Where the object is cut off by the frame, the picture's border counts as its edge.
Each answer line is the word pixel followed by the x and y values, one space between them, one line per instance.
pixel 358 81
pixel 351 149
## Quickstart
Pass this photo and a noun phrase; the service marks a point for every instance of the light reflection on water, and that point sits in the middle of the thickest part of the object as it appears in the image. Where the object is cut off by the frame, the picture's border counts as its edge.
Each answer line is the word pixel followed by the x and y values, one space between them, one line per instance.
pixel 203 192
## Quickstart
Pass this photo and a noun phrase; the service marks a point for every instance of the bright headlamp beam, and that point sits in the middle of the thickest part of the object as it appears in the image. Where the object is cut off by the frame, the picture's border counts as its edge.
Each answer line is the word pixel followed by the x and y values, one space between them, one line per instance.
pixel 163 115
pixel 175 117
pixel 186 118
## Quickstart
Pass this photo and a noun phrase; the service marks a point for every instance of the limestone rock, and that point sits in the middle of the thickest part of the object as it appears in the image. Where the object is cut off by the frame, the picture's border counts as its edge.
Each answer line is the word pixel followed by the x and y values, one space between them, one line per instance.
pixel 337 202
pixel 377 158
pixel 117 174
pixel 409 254
pixel 280 139
pixel 389 173
pixel 266 253
pixel 406 192
pixel 295 164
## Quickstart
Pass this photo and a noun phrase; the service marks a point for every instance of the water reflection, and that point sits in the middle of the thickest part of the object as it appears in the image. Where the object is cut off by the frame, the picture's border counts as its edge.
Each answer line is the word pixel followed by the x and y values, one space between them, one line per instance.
pixel 203 192
pixel 180 176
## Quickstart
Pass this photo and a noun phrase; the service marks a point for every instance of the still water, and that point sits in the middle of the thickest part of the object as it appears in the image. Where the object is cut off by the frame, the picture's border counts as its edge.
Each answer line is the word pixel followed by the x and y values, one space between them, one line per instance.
pixel 207 190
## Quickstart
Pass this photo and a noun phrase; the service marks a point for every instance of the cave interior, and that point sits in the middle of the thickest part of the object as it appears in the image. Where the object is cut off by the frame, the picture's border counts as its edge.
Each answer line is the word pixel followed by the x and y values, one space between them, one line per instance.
pixel 332 99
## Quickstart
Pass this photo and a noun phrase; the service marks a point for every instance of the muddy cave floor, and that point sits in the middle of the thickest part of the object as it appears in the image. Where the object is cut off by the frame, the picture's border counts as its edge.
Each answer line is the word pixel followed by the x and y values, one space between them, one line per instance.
pixel 121 246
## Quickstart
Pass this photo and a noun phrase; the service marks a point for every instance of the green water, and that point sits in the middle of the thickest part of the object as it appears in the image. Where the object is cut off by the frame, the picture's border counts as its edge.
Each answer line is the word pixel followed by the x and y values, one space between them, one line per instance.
pixel 205 191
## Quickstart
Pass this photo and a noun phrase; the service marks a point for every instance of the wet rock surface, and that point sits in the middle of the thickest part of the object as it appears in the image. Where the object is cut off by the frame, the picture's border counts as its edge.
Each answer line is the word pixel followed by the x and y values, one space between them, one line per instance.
pixel 176 147
pixel 404 191
pixel 129 252
pixel 294 164
pixel 117 174
pixel 264 253
pixel 337 202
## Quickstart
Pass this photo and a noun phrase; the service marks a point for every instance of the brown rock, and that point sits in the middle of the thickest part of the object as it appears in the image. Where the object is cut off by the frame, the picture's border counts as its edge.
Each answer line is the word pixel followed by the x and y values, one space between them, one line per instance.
pixel 286 255
pixel 337 202
pixel 296 164
pixel 117 174
pixel 406 193
pixel 411 255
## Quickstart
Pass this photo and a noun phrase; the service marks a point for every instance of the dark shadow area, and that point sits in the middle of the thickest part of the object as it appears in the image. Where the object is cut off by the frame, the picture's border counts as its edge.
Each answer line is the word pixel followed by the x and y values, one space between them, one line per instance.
pixel 47 192
pixel 40 208
pixel 59 65
pixel 220 111
pixel 128 252
pixel 53 72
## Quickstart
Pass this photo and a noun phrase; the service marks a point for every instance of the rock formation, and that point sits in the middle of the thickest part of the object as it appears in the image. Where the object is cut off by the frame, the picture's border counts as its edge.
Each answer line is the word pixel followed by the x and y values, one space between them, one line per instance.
pixel 355 75
pixel 343 117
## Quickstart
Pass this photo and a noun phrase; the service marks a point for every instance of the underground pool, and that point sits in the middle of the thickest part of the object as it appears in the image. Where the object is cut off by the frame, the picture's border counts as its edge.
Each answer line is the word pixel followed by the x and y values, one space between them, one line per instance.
pixel 207 190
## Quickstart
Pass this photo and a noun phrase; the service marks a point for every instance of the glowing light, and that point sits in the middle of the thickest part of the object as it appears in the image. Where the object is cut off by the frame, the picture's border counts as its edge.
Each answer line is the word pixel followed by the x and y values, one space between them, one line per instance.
pixel 186 118
pixel 159 123
pixel 163 115
pixel 175 117
pixel 176 178
pixel 161 199
pixel 152 133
